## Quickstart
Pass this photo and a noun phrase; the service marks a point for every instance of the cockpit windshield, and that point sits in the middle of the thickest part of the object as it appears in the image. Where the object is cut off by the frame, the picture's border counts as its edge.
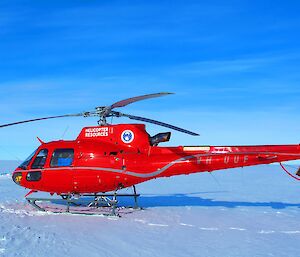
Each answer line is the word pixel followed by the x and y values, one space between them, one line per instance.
pixel 25 164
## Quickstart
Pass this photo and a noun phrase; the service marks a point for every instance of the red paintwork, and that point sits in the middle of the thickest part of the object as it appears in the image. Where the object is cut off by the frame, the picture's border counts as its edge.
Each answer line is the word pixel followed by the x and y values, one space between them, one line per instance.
pixel 103 162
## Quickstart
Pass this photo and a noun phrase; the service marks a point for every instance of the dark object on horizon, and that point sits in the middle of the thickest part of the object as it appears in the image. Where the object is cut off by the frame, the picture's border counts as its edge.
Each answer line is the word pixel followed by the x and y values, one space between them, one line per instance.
pixel 298 172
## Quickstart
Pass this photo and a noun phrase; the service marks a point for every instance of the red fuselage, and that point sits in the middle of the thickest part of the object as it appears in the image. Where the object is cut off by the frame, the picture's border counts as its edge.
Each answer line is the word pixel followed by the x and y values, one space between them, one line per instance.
pixel 107 158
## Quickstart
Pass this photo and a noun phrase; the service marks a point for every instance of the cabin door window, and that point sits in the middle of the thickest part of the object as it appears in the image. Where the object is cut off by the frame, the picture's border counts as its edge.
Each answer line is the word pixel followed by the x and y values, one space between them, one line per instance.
pixel 62 158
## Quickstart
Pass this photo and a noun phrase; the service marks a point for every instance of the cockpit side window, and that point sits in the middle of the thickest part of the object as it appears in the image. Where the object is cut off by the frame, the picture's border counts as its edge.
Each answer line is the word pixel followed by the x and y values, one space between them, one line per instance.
pixel 40 159
pixel 62 157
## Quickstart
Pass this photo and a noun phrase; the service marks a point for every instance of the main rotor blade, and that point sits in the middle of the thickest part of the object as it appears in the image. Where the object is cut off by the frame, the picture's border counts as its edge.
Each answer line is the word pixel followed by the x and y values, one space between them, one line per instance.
pixel 136 99
pixel 132 117
pixel 45 118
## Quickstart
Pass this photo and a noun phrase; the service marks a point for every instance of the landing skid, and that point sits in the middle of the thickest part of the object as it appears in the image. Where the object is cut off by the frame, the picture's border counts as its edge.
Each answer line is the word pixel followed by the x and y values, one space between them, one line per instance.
pixel 99 204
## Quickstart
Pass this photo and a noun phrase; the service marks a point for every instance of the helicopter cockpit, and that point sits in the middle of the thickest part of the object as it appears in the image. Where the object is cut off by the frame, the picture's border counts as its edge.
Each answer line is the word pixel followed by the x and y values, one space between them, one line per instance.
pixel 60 157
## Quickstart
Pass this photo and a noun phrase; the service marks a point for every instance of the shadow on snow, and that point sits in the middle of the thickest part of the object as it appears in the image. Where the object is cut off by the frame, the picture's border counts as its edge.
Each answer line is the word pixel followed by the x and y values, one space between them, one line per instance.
pixel 180 200
pixel 177 200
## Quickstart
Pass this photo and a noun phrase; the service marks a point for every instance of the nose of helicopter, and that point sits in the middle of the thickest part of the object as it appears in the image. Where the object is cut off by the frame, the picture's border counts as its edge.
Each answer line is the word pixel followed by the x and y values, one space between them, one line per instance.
pixel 17 177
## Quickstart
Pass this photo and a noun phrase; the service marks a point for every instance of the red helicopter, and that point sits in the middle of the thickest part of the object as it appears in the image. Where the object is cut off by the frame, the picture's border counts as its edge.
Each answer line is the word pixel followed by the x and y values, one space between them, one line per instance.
pixel 107 158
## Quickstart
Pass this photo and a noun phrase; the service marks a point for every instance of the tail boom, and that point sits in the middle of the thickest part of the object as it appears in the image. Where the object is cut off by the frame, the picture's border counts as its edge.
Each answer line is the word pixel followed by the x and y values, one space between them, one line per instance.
pixel 211 158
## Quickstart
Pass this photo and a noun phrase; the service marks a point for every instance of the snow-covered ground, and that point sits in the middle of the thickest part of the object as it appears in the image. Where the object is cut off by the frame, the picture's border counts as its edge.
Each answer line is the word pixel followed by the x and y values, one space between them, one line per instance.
pixel 240 212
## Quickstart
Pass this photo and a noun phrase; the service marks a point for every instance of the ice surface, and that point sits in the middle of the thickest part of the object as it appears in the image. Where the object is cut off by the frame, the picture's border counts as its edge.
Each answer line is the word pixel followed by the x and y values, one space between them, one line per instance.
pixel 238 212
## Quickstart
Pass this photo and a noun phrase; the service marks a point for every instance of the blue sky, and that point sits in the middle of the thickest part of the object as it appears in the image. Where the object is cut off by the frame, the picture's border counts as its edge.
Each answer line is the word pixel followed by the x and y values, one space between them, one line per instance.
pixel 234 66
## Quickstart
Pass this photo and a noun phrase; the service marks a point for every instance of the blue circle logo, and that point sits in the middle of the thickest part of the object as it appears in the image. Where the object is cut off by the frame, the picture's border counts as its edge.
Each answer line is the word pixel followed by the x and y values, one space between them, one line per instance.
pixel 127 136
